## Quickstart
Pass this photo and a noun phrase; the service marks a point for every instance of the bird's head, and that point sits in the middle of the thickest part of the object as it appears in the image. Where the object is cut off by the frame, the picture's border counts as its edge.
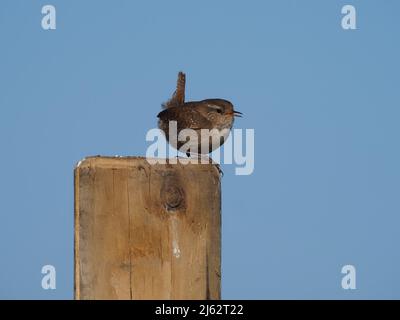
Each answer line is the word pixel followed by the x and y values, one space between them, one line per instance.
pixel 221 112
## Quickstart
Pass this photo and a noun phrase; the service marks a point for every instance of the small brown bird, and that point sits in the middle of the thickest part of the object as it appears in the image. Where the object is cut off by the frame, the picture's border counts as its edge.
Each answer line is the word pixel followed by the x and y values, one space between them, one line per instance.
pixel 208 114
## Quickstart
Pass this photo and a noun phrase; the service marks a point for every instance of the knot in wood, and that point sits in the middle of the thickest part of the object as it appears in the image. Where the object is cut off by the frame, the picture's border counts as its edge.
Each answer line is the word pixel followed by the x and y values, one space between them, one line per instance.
pixel 173 197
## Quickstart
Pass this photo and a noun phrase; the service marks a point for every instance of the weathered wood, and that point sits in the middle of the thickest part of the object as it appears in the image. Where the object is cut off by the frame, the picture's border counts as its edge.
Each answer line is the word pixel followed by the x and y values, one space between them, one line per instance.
pixel 146 231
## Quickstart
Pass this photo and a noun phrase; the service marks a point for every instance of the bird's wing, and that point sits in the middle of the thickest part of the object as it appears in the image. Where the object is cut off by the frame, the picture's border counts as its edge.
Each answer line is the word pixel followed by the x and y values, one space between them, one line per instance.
pixel 186 117
pixel 178 98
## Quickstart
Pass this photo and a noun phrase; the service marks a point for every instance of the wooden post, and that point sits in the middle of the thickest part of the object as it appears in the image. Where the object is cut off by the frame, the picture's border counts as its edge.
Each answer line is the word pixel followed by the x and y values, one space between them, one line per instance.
pixel 146 231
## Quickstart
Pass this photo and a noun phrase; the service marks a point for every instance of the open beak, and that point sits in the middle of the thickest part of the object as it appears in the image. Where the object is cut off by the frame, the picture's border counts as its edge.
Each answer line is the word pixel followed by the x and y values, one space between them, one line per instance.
pixel 237 114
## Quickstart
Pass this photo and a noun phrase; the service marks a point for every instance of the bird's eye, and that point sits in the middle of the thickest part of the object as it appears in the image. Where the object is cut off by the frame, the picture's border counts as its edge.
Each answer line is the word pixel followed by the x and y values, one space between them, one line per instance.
pixel 219 110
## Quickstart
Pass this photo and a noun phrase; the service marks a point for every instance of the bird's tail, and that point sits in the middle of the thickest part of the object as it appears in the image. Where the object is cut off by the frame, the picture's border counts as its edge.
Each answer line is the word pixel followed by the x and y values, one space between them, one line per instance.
pixel 178 98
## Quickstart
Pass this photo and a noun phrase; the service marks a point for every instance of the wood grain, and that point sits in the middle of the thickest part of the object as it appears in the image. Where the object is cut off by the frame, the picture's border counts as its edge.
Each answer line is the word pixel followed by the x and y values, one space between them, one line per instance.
pixel 146 231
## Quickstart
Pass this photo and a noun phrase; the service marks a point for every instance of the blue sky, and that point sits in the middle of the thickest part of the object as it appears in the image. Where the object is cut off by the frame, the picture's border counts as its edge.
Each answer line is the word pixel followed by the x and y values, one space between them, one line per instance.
pixel 324 104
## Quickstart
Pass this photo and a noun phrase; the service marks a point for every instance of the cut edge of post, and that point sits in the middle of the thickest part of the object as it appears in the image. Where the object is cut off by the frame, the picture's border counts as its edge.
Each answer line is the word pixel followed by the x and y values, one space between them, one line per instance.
pixel 108 161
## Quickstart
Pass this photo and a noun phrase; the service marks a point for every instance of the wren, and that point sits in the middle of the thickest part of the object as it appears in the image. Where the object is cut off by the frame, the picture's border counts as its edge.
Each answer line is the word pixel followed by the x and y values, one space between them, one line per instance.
pixel 214 115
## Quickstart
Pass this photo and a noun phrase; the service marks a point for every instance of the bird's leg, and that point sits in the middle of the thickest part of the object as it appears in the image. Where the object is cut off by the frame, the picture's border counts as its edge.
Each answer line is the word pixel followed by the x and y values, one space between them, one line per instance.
pixel 206 159
pixel 175 159
pixel 202 158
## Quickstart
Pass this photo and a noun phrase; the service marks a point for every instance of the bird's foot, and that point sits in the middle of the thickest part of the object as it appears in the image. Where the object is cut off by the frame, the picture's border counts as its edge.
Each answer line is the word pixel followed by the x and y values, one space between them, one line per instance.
pixel 221 173
pixel 205 159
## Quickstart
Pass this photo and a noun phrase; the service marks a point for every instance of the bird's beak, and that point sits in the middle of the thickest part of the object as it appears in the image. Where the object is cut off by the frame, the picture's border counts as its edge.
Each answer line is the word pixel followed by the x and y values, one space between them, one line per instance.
pixel 237 114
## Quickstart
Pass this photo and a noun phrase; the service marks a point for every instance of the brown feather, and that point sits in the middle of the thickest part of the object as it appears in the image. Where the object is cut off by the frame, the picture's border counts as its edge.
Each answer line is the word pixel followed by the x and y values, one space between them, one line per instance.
pixel 178 97
pixel 186 117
